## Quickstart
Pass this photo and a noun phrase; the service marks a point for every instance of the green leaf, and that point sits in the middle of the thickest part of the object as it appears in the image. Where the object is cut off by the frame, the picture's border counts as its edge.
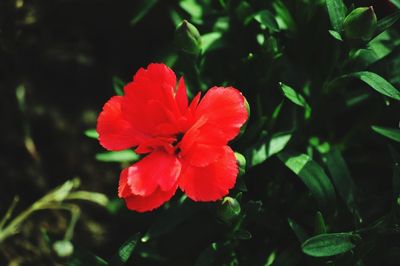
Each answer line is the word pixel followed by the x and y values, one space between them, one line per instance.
pixel 267 19
pixel 209 41
pixel 395 2
pixel 91 133
pixel 278 142
pixel 298 230
pixel 376 82
pixel 117 156
pixel 292 95
pixel 125 251
pixel 319 224
pixel 283 17
pixel 141 10
pixel 342 179
pixel 335 35
pixel 312 175
pixel 391 133
pixel 337 12
pixel 207 256
pixel 118 85
pixel 396 172
pixel 387 22
pixel 192 7
pixel 325 245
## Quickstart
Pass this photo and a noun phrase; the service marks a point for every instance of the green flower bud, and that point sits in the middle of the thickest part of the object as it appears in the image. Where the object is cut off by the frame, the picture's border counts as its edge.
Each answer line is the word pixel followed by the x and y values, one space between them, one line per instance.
pixel 187 38
pixel 241 162
pixel 229 209
pixel 63 248
pixel 360 23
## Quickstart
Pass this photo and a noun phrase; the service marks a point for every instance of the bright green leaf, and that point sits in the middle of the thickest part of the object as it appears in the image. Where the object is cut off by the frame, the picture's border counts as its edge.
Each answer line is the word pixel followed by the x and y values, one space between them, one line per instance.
pixel 312 175
pixel 278 142
pixel 391 133
pixel 325 245
pixel 283 16
pixel 336 35
pixel 267 19
pixel 91 133
pixel 337 12
pixel 292 95
pixel 209 41
pixel 376 82
pixel 117 156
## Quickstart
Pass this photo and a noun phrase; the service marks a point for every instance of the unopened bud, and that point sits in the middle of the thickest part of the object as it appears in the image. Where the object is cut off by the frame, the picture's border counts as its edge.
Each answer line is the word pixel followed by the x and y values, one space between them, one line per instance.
pixel 360 23
pixel 241 163
pixel 229 209
pixel 187 38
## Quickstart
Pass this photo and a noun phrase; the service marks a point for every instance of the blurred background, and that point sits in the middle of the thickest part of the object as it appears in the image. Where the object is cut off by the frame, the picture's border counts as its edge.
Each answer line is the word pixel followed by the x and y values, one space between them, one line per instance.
pixel 61 60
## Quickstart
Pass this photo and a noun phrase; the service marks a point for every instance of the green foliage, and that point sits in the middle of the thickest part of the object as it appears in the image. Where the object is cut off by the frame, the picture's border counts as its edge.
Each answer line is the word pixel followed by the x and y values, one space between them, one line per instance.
pixel 325 245
pixel 312 175
pixel 319 154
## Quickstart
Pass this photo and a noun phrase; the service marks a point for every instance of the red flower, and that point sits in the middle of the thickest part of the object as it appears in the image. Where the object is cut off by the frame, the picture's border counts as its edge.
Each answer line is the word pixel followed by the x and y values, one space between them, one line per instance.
pixel 186 143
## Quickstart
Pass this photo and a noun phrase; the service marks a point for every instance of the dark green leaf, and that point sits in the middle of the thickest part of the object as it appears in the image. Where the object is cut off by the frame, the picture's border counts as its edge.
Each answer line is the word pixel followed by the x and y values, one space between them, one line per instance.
pixel 267 19
pixel 325 245
pixel 298 230
pixel 342 179
pixel 312 175
pixel 391 133
pixel 376 82
pixel 141 10
pixel 319 224
pixel 125 251
pixel 82 257
pixel 396 172
pixel 387 22
pixel 207 256
pixel 337 12
pixel 117 156
pixel 243 235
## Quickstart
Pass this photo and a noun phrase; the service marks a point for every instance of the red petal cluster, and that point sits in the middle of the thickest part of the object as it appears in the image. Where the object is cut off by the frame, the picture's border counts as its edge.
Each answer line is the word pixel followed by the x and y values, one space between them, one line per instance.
pixel 186 144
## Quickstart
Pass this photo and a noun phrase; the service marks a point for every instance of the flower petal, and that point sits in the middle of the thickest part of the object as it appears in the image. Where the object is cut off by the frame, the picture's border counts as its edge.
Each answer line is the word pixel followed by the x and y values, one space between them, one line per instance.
pixel 116 133
pixel 148 203
pixel 212 182
pixel 225 111
pixel 150 100
pixel 157 170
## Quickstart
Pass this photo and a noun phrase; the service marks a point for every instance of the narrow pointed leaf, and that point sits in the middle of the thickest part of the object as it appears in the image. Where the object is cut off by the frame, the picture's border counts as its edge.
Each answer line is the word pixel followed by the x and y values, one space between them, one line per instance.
pixel 141 10
pixel 391 133
pixel 117 156
pixel 376 82
pixel 337 12
pixel 342 179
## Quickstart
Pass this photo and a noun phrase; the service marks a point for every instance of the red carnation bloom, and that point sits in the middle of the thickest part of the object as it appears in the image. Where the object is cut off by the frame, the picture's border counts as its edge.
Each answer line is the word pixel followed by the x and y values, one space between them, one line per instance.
pixel 186 143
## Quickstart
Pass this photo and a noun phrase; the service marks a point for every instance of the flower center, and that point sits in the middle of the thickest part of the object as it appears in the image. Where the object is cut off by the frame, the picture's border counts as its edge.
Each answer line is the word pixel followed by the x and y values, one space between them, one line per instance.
pixel 179 137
